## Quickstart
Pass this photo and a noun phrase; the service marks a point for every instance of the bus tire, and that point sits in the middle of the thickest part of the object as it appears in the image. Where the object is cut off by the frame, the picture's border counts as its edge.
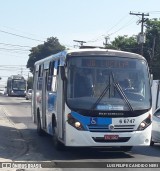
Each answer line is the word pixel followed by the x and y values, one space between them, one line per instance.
pixel 40 132
pixel 59 146
pixel 151 142
pixel 126 148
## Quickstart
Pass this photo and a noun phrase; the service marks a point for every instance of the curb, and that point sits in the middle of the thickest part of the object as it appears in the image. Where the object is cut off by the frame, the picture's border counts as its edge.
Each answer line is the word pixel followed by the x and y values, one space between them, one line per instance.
pixel 12 144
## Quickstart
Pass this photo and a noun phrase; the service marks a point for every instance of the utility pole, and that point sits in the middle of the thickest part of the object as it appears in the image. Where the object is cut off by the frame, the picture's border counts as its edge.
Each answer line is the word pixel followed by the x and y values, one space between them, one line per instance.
pixel 142 21
pixel 106 41
pixel 21 71
pixel 81 42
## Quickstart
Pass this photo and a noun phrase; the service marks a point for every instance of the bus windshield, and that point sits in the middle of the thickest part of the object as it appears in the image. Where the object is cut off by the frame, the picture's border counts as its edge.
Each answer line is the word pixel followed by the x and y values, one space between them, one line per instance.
pixel 108 83
pixel 19 85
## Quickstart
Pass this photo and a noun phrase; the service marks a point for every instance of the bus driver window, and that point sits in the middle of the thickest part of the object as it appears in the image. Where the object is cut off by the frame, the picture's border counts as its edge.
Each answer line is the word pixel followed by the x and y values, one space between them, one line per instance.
pixel 83 85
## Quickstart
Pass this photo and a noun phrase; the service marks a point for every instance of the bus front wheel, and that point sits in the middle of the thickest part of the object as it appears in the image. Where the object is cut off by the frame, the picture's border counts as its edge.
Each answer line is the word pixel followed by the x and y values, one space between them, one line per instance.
pixel 57 144
pixel 151 142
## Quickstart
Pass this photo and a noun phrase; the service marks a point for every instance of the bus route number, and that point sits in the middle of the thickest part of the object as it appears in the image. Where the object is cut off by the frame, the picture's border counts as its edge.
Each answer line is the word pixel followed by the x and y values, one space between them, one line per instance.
pixel 126 121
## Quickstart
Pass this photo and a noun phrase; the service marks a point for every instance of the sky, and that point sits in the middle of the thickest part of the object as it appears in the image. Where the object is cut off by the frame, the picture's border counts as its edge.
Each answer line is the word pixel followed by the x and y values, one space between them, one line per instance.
pixel 27 23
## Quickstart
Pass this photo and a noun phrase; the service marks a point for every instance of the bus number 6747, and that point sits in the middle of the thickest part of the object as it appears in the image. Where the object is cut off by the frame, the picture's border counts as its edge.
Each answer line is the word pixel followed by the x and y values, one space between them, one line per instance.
pixel 126 121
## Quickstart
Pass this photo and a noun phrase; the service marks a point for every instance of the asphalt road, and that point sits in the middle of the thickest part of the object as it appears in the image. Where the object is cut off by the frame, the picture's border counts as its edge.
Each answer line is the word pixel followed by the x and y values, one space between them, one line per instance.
pixel 35 148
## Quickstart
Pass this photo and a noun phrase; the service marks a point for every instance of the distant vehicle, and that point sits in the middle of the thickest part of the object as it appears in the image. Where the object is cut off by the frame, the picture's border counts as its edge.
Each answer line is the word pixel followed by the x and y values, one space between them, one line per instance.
pixel 155 127
pixel 16 86
pixel 5 91
pixel 29 94
pixel 155 95
pixel 1 91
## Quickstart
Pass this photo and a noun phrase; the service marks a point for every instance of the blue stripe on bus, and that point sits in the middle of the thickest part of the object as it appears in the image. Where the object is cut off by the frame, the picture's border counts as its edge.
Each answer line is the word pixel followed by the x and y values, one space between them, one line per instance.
pixel 87 120
pixel 51 101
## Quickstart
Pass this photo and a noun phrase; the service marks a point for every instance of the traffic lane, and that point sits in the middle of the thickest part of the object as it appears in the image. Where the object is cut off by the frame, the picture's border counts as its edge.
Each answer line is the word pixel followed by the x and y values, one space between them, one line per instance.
pixel 18 109
pixel 10 139
pixel 19 112
pixel 41 148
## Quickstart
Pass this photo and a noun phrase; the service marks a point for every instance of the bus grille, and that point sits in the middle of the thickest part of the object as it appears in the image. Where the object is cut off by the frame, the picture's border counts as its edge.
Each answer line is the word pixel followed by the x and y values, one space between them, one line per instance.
pixel 117 128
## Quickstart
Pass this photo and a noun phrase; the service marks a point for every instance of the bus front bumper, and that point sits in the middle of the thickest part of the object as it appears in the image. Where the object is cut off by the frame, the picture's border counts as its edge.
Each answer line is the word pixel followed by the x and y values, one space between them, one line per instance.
pixel 78 138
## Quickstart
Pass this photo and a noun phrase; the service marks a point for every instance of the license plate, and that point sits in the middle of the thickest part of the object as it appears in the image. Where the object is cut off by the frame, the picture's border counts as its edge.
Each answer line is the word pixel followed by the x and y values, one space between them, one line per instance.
pixel 111 137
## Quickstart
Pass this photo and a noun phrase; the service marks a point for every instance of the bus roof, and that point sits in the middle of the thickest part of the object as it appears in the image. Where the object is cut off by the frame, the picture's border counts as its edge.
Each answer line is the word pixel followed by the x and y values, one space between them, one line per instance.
pixel 91 52
pixel 17 77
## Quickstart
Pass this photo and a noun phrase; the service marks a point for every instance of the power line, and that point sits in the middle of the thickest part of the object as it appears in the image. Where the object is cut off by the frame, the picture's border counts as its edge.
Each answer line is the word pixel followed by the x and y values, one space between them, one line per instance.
pixel 6 44
pixel 14 49
pixel 124 26
pixel 16 52
pixel 20 36
pixel 23 32
pixel 117 23
pixel 102 36
pixel 153 12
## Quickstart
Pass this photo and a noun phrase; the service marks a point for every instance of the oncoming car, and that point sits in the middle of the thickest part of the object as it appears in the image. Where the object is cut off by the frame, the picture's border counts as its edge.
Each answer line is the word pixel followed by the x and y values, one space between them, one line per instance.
pixel 155 127
pixel 1 91
pixel 28 94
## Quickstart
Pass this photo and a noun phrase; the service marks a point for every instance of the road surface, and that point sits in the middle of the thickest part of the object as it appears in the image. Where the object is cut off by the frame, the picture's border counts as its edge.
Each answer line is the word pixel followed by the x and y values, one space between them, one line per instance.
pixel 20 142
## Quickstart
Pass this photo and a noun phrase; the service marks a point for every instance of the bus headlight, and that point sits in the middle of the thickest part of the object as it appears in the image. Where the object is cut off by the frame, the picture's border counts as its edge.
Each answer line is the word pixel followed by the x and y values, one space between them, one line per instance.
pixel 145 123
pixel 74 122
pixel 77 124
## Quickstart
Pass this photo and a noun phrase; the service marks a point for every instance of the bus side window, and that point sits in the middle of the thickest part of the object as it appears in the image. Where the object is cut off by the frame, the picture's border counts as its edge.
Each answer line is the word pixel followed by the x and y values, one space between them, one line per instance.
pixel 57 67
pixel 39 83
pixel 46 80
pixel 54 81
pixel 50 75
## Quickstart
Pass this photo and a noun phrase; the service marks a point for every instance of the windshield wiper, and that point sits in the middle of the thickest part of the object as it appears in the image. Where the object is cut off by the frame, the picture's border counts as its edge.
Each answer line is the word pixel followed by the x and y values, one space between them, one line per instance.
pixel 100 97
pixel 121 92
pixel 123 95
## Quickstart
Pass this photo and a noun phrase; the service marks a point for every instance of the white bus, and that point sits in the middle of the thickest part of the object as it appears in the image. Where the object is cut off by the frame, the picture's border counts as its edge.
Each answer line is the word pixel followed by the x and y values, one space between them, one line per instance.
pixel 93 98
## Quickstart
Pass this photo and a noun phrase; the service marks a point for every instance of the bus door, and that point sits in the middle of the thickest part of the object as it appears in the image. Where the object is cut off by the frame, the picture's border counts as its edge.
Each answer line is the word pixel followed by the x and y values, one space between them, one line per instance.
pixel 44 100
pixel 34 101
pixel 60 102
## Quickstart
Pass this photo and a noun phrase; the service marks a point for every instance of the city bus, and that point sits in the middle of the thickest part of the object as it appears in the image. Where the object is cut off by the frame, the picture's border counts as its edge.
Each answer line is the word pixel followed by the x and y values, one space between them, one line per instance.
pixel 93 98
pixel 16 86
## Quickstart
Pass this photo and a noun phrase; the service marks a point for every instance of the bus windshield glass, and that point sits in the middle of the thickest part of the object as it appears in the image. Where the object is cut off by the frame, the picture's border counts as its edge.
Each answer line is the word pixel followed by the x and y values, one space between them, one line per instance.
pixel 108 83
pixel 18 85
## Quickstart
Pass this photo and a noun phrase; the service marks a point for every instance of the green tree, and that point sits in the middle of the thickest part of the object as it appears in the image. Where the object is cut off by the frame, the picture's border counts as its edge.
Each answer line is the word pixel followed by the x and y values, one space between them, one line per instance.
pixel 51 46
pixel 152 46
pixel 125 43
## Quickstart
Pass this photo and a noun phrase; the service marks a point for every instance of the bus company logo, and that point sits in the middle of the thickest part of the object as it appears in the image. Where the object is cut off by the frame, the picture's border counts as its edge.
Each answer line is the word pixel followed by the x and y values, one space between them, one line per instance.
pixel 111 127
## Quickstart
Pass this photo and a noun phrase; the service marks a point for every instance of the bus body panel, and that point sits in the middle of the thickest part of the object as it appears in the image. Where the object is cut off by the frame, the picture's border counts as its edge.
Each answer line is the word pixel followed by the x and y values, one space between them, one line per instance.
pixel 59 108
pixel 44 99
pixel 54 105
